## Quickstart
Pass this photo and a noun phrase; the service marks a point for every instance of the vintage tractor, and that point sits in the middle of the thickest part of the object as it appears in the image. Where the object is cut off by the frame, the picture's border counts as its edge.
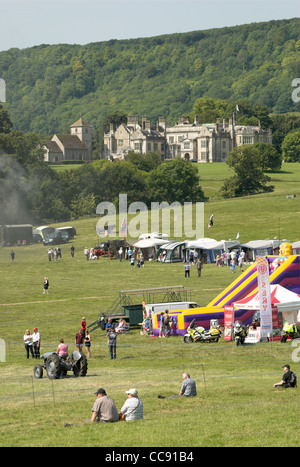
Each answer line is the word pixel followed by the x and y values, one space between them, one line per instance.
pixel 57 366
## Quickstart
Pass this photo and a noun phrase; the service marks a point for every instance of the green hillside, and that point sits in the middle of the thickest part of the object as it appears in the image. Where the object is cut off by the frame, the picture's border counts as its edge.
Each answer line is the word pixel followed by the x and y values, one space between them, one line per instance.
pixel 48 87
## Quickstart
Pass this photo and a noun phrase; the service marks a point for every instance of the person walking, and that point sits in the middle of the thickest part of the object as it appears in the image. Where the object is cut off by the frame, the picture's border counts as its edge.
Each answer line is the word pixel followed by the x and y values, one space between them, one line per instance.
pixel 28 343
pixel 112 343
pixel 36 341
pixel 187 268
pixel 72 251
pixel 104 409
pixel 86 253
pixel 12 255
pixel 199 266
pixel 46 285
pixel 133 407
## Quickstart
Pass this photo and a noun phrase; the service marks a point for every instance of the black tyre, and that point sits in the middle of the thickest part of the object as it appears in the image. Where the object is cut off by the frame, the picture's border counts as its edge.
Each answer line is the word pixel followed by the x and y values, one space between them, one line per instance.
pixel 237 341
pixel 38 371
pixel 283 339
pixel 214 339
pixel 53 366
pixel 81 366
pixel 187 339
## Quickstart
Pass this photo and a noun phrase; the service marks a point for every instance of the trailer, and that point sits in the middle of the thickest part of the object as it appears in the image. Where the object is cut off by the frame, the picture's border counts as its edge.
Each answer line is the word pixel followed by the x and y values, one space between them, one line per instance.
pixel 16 234
pixel 129 305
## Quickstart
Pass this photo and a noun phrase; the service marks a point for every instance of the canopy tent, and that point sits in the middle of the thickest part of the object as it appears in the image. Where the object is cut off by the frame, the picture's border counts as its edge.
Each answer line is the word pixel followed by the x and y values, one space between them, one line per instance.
pixel 212 247
pixel 172 252
pixel 261 247
pixel 287 302
pixel 296 248
pixel 149 246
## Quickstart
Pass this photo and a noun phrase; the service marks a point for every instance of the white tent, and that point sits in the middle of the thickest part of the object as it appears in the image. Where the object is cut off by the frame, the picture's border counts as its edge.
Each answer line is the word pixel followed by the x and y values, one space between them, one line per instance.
pixel 296 248
pixel 213 247
pixel 262 247
pixel 150 243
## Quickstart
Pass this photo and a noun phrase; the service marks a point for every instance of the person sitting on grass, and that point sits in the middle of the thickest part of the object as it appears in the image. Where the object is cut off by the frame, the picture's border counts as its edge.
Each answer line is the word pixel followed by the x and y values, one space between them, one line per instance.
pixel 289 379
pixel 188 388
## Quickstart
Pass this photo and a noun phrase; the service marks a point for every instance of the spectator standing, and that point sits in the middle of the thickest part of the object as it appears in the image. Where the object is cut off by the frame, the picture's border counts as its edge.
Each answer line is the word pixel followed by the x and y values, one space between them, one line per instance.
pixel 72 251
pixel 46 285
pixel 12 255
pixel 86 253
pixel 36 341
pixel 87 343
pixel 79 340
pixel 199 266
pixel 112 343
pixel 187 268
pixel 28 343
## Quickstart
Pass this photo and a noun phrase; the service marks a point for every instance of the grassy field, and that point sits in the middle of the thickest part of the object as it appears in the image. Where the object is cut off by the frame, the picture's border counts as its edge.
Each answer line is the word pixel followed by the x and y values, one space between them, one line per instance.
pixel 236 403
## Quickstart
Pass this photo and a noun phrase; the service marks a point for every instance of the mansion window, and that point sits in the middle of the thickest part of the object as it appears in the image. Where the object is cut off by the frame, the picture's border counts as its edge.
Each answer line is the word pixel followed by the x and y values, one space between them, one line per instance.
pixel 247 139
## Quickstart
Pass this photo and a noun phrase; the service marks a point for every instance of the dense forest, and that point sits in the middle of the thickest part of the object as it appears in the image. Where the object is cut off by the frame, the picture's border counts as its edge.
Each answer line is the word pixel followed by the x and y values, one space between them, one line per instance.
pixel 206 73
pixel 49 87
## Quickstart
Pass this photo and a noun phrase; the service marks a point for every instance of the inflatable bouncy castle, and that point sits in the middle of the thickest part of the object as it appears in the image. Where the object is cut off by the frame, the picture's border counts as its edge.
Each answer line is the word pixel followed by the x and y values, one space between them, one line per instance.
pixel 284 270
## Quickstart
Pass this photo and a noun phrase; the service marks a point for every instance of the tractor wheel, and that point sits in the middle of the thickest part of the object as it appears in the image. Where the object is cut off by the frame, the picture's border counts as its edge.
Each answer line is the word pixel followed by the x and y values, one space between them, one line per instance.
pixel 81 366
pixel 38 371
pixel 53 366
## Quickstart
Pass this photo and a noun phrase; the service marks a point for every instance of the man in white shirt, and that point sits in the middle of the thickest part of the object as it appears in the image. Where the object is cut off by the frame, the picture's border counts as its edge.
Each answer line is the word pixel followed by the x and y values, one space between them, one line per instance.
pixel 36 341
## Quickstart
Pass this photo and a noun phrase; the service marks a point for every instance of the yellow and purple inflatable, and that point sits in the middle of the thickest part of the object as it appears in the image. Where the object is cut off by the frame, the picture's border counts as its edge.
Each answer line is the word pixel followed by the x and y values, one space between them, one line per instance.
pixel 283 269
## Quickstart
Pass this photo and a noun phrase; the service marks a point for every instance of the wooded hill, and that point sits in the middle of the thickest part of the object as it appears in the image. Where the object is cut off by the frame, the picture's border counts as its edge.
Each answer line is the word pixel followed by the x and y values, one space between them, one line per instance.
pixel 50 86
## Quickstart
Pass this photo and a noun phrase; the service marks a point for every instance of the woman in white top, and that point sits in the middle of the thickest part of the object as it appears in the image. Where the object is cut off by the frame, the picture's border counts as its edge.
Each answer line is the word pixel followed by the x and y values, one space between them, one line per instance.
pixel 28 343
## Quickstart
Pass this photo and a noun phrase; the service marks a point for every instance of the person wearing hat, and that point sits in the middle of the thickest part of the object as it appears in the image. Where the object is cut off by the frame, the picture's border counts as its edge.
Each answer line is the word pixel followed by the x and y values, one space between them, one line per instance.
pixel 36 341
pixel 133 407
pixel 288 379
pixel 104 409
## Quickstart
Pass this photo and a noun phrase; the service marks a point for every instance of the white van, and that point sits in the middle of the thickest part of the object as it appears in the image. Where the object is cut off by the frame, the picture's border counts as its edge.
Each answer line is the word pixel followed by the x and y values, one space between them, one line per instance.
pixel 153 308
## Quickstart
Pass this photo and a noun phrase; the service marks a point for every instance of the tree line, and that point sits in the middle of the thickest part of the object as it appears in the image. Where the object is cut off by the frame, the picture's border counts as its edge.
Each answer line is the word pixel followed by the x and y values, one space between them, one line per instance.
pixel 48 86
pixel 31 191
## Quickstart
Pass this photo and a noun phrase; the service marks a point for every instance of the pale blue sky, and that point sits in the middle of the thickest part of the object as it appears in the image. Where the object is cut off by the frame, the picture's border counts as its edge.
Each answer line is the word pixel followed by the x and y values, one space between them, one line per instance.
pixel 25 23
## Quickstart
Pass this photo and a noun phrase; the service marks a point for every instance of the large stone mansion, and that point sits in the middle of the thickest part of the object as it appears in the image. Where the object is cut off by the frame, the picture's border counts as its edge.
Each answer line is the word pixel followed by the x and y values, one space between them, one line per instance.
pixel 190 141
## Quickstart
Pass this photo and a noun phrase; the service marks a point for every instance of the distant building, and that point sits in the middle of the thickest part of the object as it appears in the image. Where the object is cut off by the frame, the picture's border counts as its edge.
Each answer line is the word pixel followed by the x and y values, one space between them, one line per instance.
pixel 77 146
pixel 210 142
pixel 142 138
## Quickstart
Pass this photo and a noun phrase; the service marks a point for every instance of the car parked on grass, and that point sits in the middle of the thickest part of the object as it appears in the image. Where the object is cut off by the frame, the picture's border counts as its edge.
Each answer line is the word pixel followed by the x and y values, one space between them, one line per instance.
pixel 57 237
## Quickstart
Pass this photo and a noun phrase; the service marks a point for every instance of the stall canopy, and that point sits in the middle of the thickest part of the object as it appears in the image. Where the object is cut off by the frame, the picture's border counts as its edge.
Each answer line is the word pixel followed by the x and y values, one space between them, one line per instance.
pixel 296 248
pixel 212 247
pixel 284 299
pixel 172 252
pixel 261 247
pixel 150 243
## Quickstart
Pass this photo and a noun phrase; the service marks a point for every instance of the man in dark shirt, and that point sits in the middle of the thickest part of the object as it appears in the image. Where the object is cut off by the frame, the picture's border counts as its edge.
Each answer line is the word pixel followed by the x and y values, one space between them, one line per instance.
pixel 286 381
